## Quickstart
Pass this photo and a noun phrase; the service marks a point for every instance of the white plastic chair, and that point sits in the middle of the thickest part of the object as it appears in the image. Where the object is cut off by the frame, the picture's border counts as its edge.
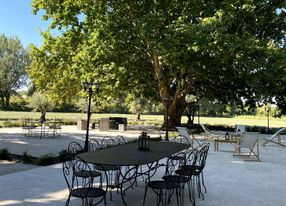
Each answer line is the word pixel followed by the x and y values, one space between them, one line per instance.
pixel 274 136
pixel 247 142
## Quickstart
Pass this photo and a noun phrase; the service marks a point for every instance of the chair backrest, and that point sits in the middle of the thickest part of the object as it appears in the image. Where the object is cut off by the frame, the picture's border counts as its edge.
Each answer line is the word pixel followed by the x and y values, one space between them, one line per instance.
pixel 120 139
pixel 107 142
pixel 71 168
pixel 93 145
pixel 202 156
pixel 276 134
pixel 249 139
pixel 191 158
pixel 81 183
pixel 239 129
pixel 75 148
pixel 185 136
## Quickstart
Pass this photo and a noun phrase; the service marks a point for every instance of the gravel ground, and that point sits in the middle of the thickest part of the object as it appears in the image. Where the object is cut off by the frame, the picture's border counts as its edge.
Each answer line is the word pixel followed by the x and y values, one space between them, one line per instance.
pixel 7 167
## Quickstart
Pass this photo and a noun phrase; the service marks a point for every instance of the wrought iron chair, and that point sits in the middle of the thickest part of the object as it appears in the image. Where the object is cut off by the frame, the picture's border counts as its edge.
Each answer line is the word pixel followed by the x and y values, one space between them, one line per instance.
pixel 120 139
pixel 186 172
pixel 199 168
pixel 93 145
pixel 163 189
pixel 83 187
pixel 75 148
pixel 181 156
pixel 174 163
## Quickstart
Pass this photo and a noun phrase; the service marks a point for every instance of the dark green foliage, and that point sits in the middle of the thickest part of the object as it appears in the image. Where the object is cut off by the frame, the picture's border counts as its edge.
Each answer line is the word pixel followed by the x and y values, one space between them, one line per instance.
pixel 47 159
pixel 222 50
pixel 27 158
pixel 13 62
pixel 64 155
pixel 5 154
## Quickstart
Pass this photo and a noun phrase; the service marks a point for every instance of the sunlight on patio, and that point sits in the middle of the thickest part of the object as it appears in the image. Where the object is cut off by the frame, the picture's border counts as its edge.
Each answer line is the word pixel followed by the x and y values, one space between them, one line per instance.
pixel 10 202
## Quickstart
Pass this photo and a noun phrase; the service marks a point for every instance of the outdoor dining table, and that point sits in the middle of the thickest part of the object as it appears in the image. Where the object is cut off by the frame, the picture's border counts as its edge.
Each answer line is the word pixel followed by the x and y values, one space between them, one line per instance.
pixel 129 155
pixel 41 128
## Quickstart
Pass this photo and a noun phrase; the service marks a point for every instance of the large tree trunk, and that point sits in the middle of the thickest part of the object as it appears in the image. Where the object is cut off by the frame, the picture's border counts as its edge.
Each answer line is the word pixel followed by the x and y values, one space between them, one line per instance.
pixel 173 100
pixel 2 102
pixel 7 101
pixel 176 111
pixel 43 117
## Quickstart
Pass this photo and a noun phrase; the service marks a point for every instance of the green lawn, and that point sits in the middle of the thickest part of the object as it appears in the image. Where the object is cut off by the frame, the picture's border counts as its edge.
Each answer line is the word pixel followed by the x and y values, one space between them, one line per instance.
pixel 152 119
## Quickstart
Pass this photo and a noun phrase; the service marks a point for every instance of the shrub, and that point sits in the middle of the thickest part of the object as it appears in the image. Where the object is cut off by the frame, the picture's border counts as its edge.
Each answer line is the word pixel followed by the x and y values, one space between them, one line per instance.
pixel 64 155
pixel 47 159
pixel 26 158
pixel 5 154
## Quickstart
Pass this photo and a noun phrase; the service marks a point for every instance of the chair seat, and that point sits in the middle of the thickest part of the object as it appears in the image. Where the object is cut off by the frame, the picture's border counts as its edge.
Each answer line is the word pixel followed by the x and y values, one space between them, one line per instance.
pixel 196 171
pixel 161 184
pixel 86 174
pixel 87 192
pixel 176 178
pixel 185 172
pixel 177 157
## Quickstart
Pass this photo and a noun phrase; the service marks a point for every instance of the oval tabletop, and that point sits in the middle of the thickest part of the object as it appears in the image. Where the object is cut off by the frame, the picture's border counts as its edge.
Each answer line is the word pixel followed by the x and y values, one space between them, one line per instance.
pixel 128 154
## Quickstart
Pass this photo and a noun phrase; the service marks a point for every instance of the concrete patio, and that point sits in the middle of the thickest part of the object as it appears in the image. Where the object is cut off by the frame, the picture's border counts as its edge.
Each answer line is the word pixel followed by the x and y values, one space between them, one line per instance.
pixel 230 181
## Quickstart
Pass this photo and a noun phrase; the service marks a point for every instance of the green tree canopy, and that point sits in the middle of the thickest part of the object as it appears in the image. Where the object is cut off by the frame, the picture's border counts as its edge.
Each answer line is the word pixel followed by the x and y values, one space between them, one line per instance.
pixel 13 63
pixel 223 50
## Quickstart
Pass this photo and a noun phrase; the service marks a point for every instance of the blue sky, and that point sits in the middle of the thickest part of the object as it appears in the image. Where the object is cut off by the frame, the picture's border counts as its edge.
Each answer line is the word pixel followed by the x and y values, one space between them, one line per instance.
pixel 16 19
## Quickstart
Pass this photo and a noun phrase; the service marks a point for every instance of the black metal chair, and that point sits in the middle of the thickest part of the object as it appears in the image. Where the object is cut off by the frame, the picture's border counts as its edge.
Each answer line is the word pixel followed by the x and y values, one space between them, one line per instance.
pixel 163 189
pixel 199 168
pixel 173 164
pixel 185 175
pixel 181 156
pixel 194 168
pixel 120 139
pixel 75 148
pixel 93 145
pixel 84 187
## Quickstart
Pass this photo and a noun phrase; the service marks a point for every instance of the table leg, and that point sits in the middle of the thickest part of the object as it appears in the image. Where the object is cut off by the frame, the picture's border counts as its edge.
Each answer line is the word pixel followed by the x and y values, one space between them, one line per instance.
pixel 215 145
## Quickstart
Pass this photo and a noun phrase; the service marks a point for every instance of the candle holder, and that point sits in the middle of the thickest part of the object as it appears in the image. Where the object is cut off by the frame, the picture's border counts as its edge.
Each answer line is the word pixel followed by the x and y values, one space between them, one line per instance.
pixel 144 142
pixel 226 136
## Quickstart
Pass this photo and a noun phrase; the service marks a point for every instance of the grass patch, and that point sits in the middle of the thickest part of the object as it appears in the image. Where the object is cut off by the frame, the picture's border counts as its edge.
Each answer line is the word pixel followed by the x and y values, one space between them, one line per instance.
pixel 14 119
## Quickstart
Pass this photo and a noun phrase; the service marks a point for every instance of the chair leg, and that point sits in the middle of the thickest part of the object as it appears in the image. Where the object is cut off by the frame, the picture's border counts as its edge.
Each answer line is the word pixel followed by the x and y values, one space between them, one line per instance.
pixel 182 191
pixel 199 187
pixel 203 181
pixel 145 193
pixel 68 201
pixel 177 196
pixel 191 193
